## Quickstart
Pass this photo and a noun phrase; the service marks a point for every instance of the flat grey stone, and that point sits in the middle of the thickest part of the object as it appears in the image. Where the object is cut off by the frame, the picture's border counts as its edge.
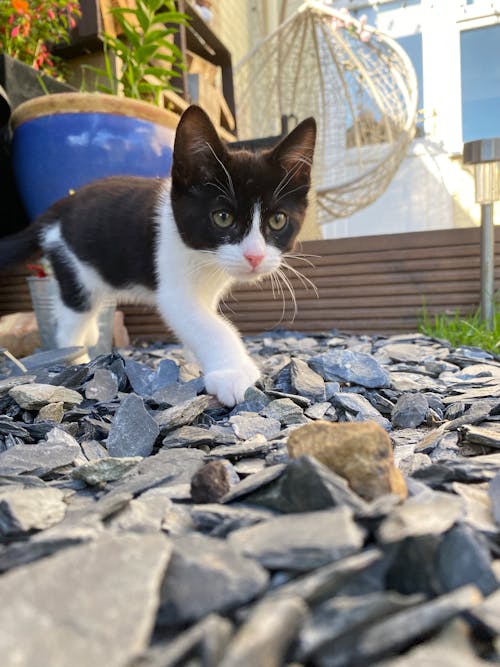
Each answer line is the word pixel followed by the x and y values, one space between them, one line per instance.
pixel 494 494
pixel 306 382
pixel 360 407
pixel 48 358
pixel 399 630
pixel 318 410
pixel 47 542
pixel 106 469
pixel 134 431
pixel 176 393
pixel 94 624
pixel 188 436
pixel 300 542
pixel 144 514
pixel 413 353
pixel 183 413
pixel 169 467
pixel 306 485
pixel 205 641
pixel 247 426
pixel 475 469
pixel 450 648
pixel 479 435
pixel 285 411
pixel 252 482
pixel 140 377
pixel 103 386
pixel 267 633
pixel 206 575
pixel 415 382
pixel 219 520
pixel 488 613
pixel 410 411
pixel 478 507
pixel 255 445
pixel 323 582
pixel 6 384
pixel 344 616
pixel 23 510
pixel 166 374
pixel 349 366
pixel 254 401
pixel 463 558
pixel 34 396
pixel 433 514
pixel 41 458
pixel 93 450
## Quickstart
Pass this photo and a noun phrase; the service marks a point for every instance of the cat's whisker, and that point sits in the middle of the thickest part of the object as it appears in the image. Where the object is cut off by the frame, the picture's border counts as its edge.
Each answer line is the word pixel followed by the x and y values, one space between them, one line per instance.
pixel 228 175
pixel 306 282
pixel 285 180
pixel 301 259
pixel 288 192
pixel 275 284
pixel 289 286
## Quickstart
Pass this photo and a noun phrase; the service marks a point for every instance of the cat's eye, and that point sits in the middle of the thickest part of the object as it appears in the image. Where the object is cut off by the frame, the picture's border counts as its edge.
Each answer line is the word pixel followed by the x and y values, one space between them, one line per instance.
pixel 223 219
pixel 278 220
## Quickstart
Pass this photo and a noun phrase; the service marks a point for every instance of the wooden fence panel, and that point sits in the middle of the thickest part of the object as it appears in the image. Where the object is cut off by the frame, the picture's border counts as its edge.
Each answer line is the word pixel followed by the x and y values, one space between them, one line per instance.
pixel 369 284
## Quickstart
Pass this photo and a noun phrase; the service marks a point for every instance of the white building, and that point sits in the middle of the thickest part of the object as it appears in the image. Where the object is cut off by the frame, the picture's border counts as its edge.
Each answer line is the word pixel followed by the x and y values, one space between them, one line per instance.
pixel 455 48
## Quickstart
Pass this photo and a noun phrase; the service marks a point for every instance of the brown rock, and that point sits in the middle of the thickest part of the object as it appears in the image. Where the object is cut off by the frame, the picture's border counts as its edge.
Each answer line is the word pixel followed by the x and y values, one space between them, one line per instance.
pixel 211 482
pixel 359 452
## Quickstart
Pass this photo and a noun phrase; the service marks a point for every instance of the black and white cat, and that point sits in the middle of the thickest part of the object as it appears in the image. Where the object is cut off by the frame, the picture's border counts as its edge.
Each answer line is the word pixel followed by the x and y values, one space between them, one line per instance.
pixel 180 244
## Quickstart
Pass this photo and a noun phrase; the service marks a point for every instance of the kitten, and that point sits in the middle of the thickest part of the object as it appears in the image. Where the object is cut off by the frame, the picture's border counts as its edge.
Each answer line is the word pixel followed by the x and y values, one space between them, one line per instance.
pixel 223 216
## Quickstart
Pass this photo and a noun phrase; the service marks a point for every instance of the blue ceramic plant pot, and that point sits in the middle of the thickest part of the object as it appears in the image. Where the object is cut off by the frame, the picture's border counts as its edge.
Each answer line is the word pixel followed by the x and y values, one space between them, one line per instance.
pixel 64 141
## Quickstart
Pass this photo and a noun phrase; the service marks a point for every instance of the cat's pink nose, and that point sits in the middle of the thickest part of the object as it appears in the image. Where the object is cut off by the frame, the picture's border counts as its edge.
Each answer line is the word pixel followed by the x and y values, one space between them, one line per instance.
pixel 253 260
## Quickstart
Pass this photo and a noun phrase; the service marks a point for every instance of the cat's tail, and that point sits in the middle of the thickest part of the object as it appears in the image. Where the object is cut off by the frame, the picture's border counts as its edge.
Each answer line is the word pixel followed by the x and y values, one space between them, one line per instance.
pixel 18 247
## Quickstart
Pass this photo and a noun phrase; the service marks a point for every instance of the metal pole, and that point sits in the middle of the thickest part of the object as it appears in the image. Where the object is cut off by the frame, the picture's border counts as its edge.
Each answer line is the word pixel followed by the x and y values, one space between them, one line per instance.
pixel 487 266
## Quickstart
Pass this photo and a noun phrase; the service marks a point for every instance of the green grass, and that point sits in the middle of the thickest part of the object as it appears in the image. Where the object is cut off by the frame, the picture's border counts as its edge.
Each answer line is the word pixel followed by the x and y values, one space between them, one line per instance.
pixel 461 329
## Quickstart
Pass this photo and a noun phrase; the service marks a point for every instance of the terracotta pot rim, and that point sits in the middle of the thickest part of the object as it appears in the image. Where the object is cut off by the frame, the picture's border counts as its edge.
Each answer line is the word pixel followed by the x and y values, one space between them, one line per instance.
pixel 73 103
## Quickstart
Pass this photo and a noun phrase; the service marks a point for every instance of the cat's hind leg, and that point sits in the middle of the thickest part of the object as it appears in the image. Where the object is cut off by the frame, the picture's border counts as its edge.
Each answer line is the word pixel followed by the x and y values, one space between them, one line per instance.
pixel 77 303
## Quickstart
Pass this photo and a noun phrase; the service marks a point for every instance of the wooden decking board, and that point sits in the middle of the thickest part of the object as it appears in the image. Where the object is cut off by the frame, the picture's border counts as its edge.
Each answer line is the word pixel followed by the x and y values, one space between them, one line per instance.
pixel 365 285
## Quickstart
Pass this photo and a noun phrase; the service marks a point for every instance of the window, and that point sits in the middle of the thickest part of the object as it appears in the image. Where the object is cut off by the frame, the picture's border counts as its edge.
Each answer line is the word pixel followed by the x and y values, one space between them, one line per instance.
pixel 480 77
pixel 412 44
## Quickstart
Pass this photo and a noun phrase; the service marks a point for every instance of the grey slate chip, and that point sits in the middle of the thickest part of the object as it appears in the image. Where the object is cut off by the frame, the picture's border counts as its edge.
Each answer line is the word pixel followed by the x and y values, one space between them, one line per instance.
pixel 207 575
pixel 306 382
pixel 103 386
pixel 101 629
pixel 300 542
pixel 463 558
pixel 410 411
pixel 41 458
pixel 349 366
pixel 23 510
pixel 133 431
pixel 306 485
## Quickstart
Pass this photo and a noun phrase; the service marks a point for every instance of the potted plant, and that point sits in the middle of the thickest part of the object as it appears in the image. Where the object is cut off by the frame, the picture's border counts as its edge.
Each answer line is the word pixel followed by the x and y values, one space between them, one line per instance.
pixel 63 141
pixel 27 31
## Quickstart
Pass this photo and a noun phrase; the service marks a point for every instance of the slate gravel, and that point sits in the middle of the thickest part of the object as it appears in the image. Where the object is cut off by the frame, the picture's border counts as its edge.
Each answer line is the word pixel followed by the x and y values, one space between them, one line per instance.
pixel 142 524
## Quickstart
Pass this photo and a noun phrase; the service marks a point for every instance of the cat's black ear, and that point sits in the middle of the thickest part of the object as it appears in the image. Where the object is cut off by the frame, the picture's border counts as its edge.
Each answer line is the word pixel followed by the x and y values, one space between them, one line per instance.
pixel 295 152
pixel 198 151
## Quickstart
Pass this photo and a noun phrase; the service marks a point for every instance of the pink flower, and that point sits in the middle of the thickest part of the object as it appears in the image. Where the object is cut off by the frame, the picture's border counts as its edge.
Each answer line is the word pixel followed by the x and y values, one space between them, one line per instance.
pixel 51 14
pixel 365 36
pixel 15 31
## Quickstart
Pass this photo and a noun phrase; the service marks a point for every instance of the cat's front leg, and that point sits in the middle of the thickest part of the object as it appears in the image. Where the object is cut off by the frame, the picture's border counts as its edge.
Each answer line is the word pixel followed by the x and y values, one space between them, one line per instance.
pixel 228 369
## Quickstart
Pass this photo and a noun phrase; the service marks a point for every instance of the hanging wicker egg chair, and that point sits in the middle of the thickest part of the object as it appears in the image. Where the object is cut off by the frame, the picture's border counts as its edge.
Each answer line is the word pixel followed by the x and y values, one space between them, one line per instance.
pixel 358 83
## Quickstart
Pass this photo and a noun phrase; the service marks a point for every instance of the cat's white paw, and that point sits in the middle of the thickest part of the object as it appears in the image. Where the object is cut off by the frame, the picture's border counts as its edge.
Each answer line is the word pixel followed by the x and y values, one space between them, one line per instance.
pixel 230 384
